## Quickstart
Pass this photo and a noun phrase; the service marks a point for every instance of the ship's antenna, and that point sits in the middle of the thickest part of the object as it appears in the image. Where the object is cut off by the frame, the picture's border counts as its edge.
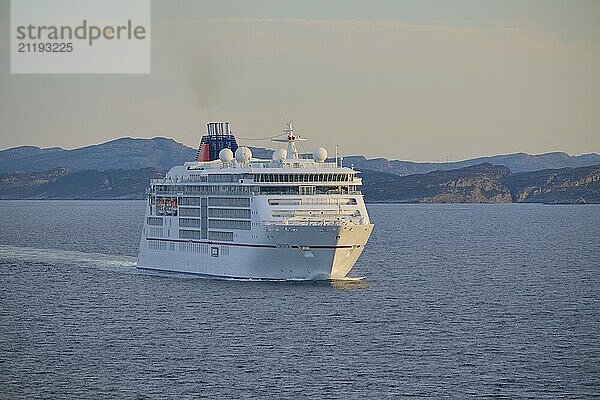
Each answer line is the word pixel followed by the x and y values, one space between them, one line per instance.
pixel 291 140
pixel 289 130
pixel 336 155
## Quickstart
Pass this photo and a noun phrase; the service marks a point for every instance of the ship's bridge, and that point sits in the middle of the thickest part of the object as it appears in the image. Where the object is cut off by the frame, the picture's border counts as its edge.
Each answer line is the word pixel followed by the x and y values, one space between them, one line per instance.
pixel 286 173
pixel 263 172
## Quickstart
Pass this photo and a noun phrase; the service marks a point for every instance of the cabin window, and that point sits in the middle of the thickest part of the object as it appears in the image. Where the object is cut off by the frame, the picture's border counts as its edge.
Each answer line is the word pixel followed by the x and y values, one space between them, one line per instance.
pixel 189 212
pixel 225 236
pixel 241 213
pixel 307 190
pixel 189 222
pixel 189 201
pixel 189 234
pixel 158 221
pixel 229 224
pixel 229 202
pixel 286 202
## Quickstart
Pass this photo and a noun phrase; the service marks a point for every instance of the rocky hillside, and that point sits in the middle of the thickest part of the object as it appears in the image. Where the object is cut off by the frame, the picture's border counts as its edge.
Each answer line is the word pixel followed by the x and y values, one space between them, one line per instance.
pixel 58 183
pixel 486 183
pixel 557 186
pixel 477 184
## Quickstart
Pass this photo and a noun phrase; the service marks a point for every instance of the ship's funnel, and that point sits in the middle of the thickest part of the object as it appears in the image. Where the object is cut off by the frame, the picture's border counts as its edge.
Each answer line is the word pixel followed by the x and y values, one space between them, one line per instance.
pixel 219 137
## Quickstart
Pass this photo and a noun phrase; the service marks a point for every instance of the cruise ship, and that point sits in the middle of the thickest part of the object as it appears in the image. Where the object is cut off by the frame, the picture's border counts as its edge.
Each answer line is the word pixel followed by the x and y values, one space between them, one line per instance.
pixel 230 215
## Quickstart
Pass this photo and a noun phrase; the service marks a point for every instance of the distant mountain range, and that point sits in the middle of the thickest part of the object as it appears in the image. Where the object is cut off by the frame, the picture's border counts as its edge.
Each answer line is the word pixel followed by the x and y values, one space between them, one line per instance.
pixel 122 168
pixel 124 153
pixel 59 183
pixel 483 183
pixel 517 162
pixel 162 153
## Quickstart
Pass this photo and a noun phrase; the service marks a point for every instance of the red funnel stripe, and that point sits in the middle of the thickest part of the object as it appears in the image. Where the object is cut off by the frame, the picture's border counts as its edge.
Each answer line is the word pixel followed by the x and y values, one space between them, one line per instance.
pixel 203 153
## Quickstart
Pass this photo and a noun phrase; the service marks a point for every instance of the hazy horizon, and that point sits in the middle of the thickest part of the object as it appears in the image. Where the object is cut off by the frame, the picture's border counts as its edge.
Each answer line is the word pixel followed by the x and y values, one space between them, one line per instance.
pixel 429 81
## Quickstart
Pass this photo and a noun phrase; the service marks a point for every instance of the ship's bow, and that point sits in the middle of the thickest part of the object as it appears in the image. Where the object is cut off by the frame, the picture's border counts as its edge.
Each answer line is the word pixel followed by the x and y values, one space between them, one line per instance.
pixel 350 244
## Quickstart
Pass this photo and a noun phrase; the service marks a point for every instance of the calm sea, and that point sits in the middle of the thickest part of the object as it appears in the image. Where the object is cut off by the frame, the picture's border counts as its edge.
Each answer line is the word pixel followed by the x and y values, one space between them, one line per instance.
pixel 457 300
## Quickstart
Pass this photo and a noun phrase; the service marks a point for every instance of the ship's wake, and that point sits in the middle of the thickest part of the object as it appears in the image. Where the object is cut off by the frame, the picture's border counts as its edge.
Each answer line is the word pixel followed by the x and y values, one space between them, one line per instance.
pixel 342 281
pixel 351 279
pixel 66 257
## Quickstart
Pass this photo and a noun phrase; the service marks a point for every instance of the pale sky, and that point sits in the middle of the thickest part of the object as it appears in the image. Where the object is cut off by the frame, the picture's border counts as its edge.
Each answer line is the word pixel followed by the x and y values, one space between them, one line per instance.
pixel 411 80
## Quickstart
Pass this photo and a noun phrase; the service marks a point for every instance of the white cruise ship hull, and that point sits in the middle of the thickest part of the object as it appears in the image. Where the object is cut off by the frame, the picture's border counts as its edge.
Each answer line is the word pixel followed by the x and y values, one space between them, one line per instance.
pixel 233 216
pixel 286 252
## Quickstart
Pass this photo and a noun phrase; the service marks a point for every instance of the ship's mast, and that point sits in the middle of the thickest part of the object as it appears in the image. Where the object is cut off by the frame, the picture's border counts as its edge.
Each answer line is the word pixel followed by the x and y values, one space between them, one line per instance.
pixel 291 140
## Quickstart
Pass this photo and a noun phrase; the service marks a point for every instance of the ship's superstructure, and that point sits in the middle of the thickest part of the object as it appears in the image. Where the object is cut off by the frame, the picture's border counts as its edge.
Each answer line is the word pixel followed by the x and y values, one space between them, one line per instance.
pixel 236 216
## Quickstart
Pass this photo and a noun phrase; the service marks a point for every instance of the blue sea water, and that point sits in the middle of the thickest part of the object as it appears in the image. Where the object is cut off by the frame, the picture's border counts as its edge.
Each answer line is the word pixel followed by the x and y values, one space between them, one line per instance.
pixel 457 301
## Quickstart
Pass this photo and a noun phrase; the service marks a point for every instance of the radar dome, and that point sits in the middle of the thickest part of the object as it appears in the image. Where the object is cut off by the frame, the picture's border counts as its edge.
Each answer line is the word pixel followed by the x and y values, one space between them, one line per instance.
pixel 243 154
pixel 280 154
pixel 320 154
pixel 226 155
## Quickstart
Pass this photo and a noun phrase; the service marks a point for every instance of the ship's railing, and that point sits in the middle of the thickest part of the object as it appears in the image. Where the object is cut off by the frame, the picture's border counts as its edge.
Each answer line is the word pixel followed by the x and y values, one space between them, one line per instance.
pixel 245 193
pixel 187 180
pixel 301 163
pixel 165 181
pixel 254 190
pixel 316 222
